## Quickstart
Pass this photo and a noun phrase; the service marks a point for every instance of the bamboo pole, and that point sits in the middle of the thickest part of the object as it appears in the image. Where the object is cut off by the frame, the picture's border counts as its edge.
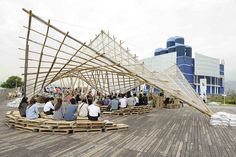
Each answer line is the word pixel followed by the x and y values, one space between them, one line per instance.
pixel 55 59
pixel 27 53
pixel 35 42
pixel 41 55
pixel 67 62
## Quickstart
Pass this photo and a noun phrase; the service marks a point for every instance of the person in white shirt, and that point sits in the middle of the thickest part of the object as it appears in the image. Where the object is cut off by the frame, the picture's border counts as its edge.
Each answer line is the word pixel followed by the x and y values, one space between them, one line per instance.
pixel 48 107
pixel 82 109
pixel 93 111
pixel 131 100
pixel 123 102
pixel 136 100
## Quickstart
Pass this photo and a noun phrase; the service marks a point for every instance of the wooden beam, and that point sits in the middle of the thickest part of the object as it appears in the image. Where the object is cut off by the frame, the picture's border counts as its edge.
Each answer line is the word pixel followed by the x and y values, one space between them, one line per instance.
pixel 108 85
pixel 35 42
pixel 55 58
pixel 41 55
pixel 27 53
pixel 51 56
pixel 68 62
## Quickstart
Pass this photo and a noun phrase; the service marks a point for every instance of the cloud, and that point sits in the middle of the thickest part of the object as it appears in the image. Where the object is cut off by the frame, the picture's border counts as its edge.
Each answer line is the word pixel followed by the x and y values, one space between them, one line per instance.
pixel 209 27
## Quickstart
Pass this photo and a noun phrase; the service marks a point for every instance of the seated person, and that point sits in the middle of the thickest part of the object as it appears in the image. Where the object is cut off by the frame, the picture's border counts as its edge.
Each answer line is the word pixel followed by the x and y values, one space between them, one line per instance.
pixel 90 98
pixel 48 107
pixel 82 109
pixel 93 112
pixel 68 98
pixel 114 103
pixel 32 111
pixel 131 100
pixel 106 101
pixel 70 111
pixel 22 107
pixel 77 98
pixel 136 100
pixel 166 101
pixel 145 99
pixel 140 99
pixel 59 110
pixel 123 102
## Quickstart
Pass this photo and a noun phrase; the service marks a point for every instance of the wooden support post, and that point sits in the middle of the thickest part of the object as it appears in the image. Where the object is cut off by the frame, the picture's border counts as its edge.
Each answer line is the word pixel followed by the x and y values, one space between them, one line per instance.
pixel 27 53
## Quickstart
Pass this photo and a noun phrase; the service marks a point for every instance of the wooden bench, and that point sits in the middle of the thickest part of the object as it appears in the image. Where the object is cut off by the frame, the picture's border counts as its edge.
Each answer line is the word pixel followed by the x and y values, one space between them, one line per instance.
pixel 12 118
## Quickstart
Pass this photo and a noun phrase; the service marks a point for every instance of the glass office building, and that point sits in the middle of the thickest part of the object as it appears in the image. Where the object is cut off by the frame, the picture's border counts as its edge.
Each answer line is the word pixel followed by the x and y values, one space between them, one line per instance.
pixel 196 70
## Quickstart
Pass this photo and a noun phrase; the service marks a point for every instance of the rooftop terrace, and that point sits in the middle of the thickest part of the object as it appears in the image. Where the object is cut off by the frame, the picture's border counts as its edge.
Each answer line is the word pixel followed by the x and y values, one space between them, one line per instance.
pixel 164 132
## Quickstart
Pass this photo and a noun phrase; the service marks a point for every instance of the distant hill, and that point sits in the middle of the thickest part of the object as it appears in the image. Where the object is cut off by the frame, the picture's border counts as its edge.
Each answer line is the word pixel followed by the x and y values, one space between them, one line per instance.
pixel 230 85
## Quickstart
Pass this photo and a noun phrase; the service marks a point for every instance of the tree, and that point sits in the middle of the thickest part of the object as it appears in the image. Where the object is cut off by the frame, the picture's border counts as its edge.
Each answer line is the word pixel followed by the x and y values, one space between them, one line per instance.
pixel 12 82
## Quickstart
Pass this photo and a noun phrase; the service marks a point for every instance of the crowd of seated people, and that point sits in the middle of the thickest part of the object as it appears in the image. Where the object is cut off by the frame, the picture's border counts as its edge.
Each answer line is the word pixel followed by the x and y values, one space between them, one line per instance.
pixel 78 105
pixel 116 102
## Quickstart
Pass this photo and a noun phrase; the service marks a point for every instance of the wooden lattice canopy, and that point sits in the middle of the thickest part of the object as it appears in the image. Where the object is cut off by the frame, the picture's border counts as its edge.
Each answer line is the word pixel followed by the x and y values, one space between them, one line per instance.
pixel 51 55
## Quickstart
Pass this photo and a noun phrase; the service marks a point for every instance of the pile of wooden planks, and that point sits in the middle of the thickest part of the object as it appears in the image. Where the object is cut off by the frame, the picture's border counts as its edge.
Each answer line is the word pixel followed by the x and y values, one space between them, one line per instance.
pixel 42 125
pixel 131 110
pixel 176 104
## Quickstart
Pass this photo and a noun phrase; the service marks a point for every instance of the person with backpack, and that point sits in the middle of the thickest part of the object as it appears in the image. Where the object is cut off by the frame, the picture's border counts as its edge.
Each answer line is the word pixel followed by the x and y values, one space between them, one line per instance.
pixel 82 110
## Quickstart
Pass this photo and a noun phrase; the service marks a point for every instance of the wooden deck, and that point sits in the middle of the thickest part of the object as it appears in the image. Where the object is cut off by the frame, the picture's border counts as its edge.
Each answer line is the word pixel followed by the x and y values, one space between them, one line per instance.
pixel 166 132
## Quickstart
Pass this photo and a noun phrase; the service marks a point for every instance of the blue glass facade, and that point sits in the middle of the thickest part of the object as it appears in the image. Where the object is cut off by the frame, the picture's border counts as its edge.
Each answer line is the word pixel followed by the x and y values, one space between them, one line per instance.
pixel 185 62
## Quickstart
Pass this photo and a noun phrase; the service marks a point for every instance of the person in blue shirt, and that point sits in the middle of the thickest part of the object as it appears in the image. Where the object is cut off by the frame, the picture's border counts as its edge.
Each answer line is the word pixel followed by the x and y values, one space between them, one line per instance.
pixel 32 111
pixel 70 111
pixel 114 103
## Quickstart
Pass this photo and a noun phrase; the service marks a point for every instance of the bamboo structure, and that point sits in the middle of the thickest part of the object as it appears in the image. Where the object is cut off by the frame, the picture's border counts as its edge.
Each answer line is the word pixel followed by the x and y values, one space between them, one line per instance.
pixel 104 64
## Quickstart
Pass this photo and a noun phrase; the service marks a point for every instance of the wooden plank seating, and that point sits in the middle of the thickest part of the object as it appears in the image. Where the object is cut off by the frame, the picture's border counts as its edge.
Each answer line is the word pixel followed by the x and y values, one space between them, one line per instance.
pixel 103 108
pixel 89 124
pixel 118 127
pixel 19 126
pixel 31 129
pixel 76 130
pixel 34 123
pixel 9 113
pixel 62 131
pixel 59 123
pixel 45 126
pixel 45 130
pixel 108 112
pixel 12 119
pixel 173 106
pixel 130 110
pixel 82 118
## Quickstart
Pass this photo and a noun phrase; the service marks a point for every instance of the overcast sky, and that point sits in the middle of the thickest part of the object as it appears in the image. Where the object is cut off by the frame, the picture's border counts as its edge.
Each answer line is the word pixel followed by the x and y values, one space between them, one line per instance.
pixel 209 26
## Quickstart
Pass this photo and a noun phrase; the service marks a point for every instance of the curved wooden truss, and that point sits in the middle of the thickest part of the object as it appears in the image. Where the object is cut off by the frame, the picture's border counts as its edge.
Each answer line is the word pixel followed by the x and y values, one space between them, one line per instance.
pixel 104 64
